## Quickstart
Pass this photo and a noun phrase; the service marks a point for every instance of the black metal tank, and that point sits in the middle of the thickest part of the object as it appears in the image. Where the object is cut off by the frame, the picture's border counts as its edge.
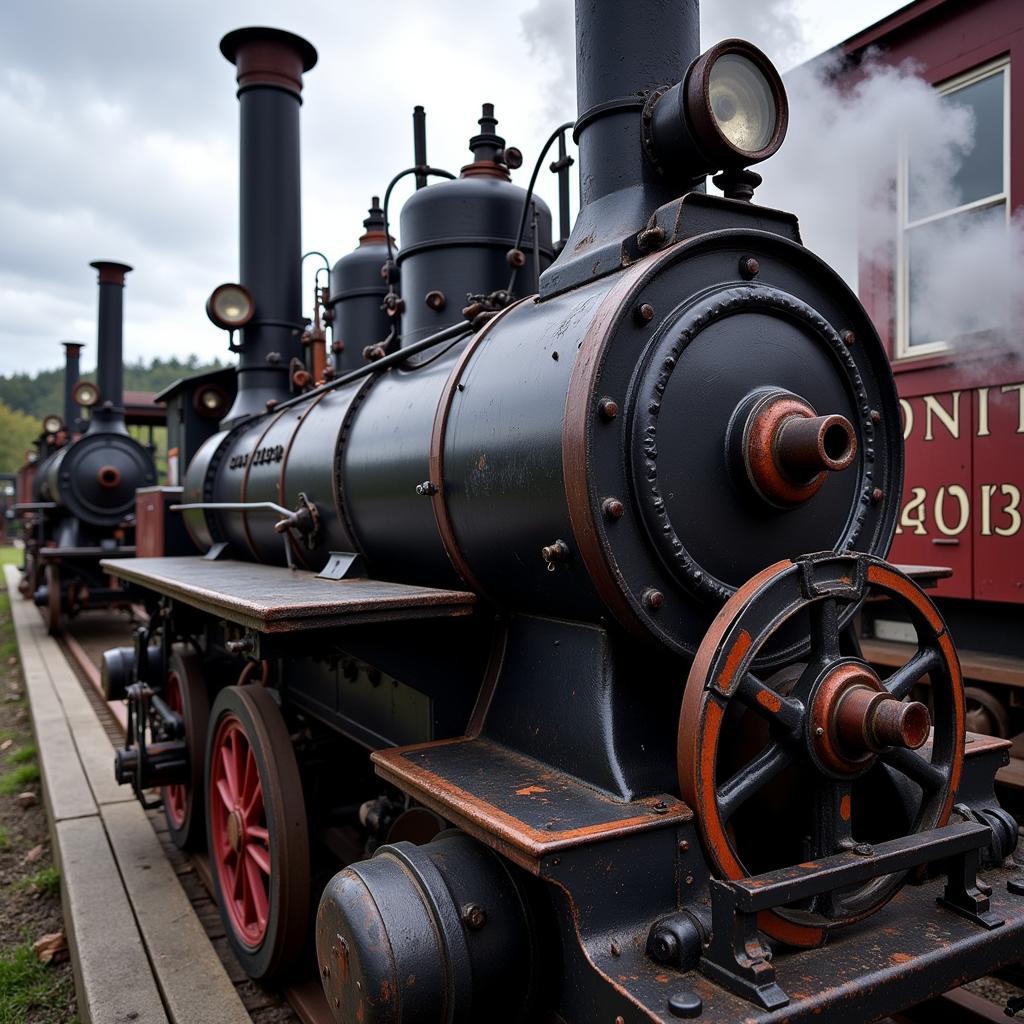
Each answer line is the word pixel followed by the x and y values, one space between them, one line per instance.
pixel 456 236
pixel 357 293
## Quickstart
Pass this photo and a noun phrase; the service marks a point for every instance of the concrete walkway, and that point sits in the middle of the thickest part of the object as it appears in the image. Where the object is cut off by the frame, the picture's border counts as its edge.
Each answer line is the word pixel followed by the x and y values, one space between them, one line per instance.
pixel 140 954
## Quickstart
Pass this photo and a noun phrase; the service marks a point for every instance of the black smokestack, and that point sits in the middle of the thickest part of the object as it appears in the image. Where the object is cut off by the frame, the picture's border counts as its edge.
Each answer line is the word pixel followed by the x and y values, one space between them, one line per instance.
pixel 109 414
pixel 72 371
pixel 270 65
pixel 624 52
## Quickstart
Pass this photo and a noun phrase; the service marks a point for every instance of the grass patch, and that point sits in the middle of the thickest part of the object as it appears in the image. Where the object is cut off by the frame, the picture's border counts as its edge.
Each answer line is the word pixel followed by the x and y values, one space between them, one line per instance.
pixel 16 781
pixel 10 556
pixel 6 734
pixel 46 881
pixel 5 839
pixel 23 755
pixel 27 986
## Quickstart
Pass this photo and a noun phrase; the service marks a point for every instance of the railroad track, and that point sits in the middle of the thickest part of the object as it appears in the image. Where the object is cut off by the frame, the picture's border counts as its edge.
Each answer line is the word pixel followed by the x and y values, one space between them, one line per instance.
pixel 305 996
pixel 956 1007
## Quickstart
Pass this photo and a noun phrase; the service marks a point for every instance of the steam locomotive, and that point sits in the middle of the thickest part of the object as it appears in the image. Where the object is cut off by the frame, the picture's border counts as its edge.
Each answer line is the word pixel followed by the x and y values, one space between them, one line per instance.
pixel 81 485
pixel 537 612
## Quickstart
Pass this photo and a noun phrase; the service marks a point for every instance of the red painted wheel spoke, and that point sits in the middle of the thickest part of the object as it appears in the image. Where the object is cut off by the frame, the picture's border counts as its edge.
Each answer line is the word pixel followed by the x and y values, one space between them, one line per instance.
pixel 250 779
pixel 230 775
pixel 234 875
pixel 225 794
pixel 260 834
pixel 253 810
pixel 260 856
pixel 257 893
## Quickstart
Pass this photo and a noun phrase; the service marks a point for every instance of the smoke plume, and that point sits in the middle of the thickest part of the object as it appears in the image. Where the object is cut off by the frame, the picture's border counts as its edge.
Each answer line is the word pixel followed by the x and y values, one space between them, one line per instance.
pixel 839 171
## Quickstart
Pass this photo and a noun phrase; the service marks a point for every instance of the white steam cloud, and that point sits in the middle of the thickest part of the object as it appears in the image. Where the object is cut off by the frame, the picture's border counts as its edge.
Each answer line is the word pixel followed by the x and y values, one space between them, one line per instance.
pixel 839 171
pixel 840 166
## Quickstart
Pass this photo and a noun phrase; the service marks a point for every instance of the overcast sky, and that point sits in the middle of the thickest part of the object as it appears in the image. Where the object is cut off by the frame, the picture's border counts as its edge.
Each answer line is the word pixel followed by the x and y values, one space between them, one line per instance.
pixel 119 129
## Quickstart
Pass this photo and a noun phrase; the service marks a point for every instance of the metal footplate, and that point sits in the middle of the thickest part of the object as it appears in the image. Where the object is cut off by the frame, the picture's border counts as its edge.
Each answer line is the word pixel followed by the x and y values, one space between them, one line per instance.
pixel 738 958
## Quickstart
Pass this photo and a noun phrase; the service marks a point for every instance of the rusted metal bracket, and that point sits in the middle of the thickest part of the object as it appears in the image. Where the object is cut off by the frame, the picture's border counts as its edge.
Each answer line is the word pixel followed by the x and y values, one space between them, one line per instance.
pixel 739 960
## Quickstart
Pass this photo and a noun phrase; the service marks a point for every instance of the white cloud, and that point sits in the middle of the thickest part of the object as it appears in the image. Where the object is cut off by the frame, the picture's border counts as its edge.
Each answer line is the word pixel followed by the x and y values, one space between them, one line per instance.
pixel 120 130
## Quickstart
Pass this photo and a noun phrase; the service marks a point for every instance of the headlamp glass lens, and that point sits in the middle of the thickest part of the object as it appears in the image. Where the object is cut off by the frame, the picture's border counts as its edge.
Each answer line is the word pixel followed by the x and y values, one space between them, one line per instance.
pixel 231 305
pixel 742 103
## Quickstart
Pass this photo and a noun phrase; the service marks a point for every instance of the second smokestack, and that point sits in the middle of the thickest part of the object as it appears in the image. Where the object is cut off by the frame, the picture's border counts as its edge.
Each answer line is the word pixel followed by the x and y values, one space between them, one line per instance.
pixel 109 414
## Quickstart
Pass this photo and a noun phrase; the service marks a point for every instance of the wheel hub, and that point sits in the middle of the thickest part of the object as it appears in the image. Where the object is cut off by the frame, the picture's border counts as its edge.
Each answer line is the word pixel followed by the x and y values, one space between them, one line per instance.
pixel 235 830
pixel 853 717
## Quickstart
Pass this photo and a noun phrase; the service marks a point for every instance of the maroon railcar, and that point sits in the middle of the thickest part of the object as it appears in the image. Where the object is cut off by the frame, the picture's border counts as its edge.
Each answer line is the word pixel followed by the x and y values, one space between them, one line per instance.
pixel 961 381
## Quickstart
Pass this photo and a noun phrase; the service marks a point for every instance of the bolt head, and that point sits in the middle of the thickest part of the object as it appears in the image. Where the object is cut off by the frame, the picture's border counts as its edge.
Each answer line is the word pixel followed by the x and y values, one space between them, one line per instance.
pixel 644 313
pixel 608 408
pixel 474 917
pixel 613 509
pixel 653 599
pixel 877 495
pixel 749 267
pixel 849 338
pixel 664 946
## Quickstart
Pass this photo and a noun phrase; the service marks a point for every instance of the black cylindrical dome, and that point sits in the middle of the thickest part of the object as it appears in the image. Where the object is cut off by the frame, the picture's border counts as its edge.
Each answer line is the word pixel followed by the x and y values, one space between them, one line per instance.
pixel 456 236
pixel 357 292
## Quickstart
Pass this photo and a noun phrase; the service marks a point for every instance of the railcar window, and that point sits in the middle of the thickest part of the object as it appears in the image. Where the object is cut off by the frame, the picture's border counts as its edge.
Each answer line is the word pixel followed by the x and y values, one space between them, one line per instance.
pixel 946 220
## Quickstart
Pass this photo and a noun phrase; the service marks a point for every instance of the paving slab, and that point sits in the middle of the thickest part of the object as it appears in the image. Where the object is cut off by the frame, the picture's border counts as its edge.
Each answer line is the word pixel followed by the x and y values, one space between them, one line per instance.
pixel 113 977
pixel 193 981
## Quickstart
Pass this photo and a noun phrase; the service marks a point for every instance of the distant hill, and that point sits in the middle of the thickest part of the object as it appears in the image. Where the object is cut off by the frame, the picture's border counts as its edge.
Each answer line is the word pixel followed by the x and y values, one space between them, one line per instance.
pixel 42 393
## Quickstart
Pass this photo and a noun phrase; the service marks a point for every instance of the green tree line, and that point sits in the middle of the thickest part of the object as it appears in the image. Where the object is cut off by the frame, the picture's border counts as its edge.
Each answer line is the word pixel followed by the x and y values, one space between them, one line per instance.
pixel 26 398
pixel 17 432
pixel 40 394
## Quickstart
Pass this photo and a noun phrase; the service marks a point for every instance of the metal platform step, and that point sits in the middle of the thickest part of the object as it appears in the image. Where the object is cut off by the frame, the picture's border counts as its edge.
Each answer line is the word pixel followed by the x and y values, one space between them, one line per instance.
pixel 272 599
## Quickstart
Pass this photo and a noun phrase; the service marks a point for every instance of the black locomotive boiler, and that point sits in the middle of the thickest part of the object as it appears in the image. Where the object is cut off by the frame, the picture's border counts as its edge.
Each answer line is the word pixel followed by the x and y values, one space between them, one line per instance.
pixel 85 486
pixel 575 571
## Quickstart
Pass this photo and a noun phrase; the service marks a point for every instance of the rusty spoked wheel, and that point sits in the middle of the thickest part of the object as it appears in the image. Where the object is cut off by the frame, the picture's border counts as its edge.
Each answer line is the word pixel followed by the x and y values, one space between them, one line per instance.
pixel 53 599
pixel 185 692
pixel 843 757
pixel 257 832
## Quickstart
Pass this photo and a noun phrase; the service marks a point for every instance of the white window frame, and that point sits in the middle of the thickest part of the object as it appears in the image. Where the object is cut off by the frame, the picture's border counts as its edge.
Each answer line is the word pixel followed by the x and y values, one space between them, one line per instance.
pixel 904 350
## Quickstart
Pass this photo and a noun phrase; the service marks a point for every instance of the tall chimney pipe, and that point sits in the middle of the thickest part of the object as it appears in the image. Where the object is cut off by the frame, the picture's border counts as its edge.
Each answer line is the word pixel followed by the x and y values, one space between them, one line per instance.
pixel 72 371
pixel 108 416
pixel 623 53
pixel 270 65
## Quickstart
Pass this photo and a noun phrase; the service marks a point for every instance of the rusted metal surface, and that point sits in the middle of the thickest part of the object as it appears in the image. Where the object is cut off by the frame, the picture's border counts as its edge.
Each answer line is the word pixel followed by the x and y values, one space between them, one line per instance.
pixel 271 599
pixel 788 449
pixel 721 675
pixel 515 804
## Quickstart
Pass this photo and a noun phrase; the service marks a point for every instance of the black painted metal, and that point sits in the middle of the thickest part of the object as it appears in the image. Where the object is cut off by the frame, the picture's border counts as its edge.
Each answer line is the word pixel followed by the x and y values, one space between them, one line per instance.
pixel 456 235
pixel 619 62
pixel 108 415
pixel 270 65
pixel 419 139
pixel 465 927
pixel 357 292
pixel 72 359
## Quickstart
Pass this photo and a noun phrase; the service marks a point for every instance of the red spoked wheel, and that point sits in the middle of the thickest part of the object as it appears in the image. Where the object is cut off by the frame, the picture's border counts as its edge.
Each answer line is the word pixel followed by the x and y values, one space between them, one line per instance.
pixel 257 831
pixel 783 765
pixel 185 692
